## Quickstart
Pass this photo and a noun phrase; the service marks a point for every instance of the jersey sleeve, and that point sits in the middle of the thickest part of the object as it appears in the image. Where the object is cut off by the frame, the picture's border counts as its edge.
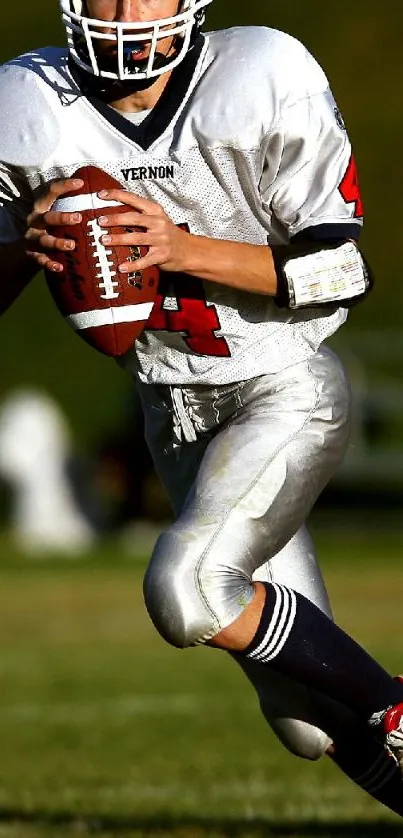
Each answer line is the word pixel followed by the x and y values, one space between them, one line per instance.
pixel 14 205
pixel 315 192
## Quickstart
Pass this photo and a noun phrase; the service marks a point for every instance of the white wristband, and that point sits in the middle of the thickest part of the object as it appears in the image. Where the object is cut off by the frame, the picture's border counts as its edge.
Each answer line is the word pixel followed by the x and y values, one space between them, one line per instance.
pixel 329 275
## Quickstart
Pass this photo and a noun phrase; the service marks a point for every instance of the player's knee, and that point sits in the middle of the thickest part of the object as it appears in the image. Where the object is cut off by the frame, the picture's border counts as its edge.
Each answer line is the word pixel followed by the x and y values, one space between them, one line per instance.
pixel 171 594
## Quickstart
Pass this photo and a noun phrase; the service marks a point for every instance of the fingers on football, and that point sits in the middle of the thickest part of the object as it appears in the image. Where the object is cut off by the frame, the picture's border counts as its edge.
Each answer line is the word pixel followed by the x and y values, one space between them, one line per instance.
pixel 43 261
pixel 43 238
pixel 141 264
pixel 52 218
pixel 60 187
pixel 123 219
pixel 129 239
pixel 122 196
pixel 38 221
pixel 48 242
pixel 54 191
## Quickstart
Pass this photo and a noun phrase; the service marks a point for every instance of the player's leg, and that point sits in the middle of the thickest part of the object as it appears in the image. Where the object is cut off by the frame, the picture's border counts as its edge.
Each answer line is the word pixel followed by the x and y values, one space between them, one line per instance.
pixel 295 712
pixel 286 706
pixel 306 722
pixel 258 479
pixel 298 715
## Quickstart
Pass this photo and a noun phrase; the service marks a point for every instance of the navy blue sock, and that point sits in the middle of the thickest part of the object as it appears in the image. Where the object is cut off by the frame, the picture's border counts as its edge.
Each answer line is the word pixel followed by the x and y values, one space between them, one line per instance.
pixel 297 639
pixel 362 758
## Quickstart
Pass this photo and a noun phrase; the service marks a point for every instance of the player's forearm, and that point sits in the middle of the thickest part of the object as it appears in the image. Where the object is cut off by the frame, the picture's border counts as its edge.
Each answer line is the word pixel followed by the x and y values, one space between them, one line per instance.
pixel 248 267
pixel 16 272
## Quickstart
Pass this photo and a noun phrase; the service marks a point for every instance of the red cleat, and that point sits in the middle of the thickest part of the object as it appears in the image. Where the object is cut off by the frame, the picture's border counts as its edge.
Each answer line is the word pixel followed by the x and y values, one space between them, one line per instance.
pixel 388 727
pixel 393 730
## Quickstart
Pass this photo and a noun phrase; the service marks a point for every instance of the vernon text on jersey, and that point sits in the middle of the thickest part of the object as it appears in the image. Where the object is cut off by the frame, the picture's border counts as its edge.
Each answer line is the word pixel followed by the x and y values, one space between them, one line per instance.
pixel 148 173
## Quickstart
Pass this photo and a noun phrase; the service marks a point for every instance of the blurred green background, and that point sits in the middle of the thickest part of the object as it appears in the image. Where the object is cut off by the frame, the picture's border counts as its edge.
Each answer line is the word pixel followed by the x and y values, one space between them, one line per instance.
pixel 359 45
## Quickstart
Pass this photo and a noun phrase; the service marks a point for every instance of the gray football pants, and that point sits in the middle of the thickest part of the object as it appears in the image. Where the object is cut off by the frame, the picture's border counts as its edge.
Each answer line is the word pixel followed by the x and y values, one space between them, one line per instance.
pixel 243 465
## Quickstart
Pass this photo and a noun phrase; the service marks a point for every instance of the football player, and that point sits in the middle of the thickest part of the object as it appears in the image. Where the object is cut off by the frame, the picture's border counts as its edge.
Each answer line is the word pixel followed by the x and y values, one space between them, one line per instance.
pixel 238 176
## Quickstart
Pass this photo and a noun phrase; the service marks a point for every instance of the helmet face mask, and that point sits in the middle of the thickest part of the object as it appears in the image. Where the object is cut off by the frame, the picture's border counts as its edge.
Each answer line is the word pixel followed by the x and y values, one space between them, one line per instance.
pixel 86 39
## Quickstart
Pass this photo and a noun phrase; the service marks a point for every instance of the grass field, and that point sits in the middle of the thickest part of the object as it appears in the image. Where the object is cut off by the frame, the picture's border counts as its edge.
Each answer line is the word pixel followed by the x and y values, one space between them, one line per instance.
pixel 107 731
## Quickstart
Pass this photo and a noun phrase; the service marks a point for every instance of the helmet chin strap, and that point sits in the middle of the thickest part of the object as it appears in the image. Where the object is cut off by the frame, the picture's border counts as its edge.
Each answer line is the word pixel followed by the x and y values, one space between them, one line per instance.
pixel 109 90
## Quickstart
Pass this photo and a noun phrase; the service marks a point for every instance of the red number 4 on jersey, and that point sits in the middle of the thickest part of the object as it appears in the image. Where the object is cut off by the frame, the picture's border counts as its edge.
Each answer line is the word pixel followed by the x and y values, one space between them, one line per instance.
pixel 350 190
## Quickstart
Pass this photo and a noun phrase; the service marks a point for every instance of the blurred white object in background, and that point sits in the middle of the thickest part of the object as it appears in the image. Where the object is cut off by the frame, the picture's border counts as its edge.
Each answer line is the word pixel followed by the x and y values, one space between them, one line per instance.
pixel 35 449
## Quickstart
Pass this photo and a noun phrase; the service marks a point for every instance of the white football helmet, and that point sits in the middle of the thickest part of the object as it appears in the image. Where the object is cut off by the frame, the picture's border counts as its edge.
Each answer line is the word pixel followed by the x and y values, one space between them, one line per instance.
pixel 130 39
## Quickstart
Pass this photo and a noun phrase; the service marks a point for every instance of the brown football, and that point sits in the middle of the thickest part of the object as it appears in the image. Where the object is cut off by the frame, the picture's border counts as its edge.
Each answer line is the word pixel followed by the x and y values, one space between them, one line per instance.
pixel 106 308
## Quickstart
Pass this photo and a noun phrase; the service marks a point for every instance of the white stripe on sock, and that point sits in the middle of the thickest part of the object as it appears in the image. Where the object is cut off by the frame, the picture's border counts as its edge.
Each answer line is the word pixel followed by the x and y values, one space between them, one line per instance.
pixel 273 621
pixel 280 626
pixel 284 630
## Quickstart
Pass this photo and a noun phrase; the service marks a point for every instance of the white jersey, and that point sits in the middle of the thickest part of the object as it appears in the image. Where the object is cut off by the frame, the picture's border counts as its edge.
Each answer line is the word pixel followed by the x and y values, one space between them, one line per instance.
pixel 246 145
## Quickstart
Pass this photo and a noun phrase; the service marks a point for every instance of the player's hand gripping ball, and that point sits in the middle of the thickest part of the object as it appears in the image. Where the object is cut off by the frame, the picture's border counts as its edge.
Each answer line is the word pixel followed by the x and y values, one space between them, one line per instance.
pixel 106 308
